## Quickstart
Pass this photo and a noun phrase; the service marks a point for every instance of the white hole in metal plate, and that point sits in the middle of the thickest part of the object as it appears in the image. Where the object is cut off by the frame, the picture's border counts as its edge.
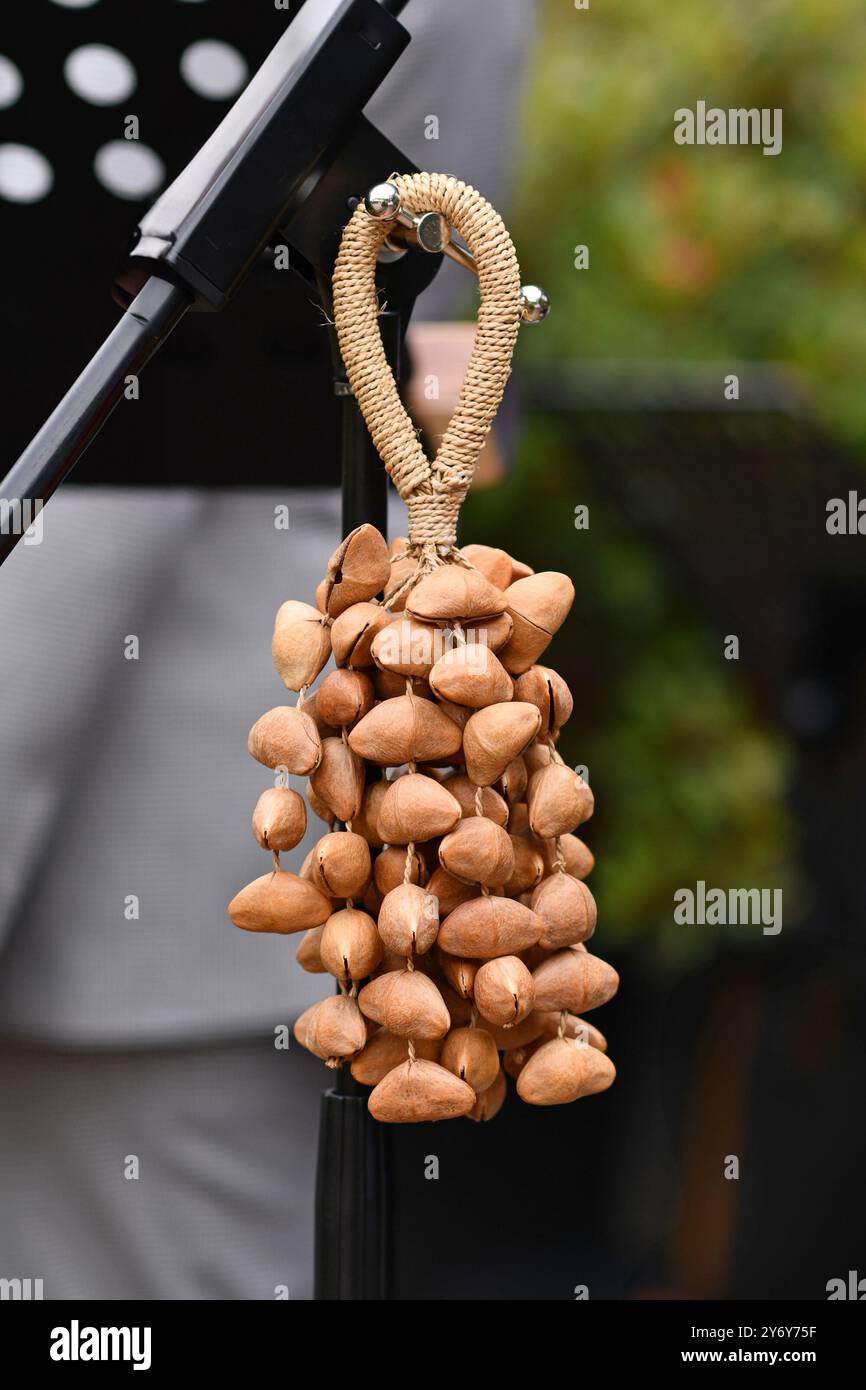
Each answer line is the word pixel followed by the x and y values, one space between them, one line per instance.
pixel 213 69
pixel 99 74
pixel 25 175
pixel 128 169
pixel 11 82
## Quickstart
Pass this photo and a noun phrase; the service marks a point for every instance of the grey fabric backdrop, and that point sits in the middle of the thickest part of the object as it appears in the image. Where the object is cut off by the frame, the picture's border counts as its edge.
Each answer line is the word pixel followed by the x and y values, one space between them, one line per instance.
pixel 221 1206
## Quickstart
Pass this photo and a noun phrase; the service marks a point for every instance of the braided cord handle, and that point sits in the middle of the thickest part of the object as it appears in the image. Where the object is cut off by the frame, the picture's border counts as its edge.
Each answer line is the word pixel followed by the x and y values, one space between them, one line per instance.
pixel 432 489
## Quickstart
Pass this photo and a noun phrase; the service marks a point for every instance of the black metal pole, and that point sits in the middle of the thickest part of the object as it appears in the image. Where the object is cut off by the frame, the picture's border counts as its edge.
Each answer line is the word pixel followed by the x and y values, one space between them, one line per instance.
pixel 365 482
pixel 79 417
pixel 351 1254
pixel 351 1236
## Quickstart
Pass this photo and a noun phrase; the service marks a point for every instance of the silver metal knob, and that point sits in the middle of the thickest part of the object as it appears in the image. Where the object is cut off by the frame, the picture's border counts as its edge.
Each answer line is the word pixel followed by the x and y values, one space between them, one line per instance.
pixel 383 201
pixel 534 304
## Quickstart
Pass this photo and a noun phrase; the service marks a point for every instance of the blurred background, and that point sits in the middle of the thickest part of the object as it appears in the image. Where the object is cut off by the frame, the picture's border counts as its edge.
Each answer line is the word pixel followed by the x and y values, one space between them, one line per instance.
pixel 670 268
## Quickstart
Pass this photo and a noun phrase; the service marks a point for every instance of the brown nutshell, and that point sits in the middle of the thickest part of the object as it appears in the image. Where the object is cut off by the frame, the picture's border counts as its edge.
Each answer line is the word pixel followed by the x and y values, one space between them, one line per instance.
pixel 537 755
pixel 301 644
pixel 579 858
pixel 567 909
pixel 574 1027
pixel 492 804
pixel 338 781
pixel 318 807
pixel 350 947
pixel 353 633
pixel 494 564
pixel 388 685
pixel 489 926
pixel 545 688
pixel 404 730
pixel 512 783
pixel 389 868
pixel 528 868
pixel 279 902
pixel 459 1008
pixel 478 851
pixel 538 606
pixel 520 570
pixel 575 980
pixel 366 821
pixel 452 591
pixel 450 891
pixel 562 1071
pixel 459 973
pixel 471 1054
pixel 418 1091
pixel 341 865
pixel 384 1051
pixel 311 709
pixel 408 920
pixel 406 1002
pixel 407 647
pixel 280 818
pixel 494 632
pixel 558 801
pixel 308 954
pixel 523 1034
pixel 491 1101
pixel 333 1028
pixel 286 737
pixel 344 697
pixel 504 991
pixel 472 676
pixel 494 736
pixel 416 808
pixel 358 570
pixel 514 1061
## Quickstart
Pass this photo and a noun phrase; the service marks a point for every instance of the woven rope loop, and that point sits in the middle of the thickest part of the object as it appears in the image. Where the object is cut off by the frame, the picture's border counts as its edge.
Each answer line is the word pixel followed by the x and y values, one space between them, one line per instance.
pixel 432 489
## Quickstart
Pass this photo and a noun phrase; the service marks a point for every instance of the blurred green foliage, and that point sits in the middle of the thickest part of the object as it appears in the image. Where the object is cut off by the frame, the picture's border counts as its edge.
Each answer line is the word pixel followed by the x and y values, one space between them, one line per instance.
pixel 689 783
pixel 697 254
pixel 716 254
pixel 706 253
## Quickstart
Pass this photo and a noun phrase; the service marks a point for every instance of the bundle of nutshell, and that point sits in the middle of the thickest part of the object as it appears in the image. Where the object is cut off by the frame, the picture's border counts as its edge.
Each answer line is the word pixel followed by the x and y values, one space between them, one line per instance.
pixel 447 898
